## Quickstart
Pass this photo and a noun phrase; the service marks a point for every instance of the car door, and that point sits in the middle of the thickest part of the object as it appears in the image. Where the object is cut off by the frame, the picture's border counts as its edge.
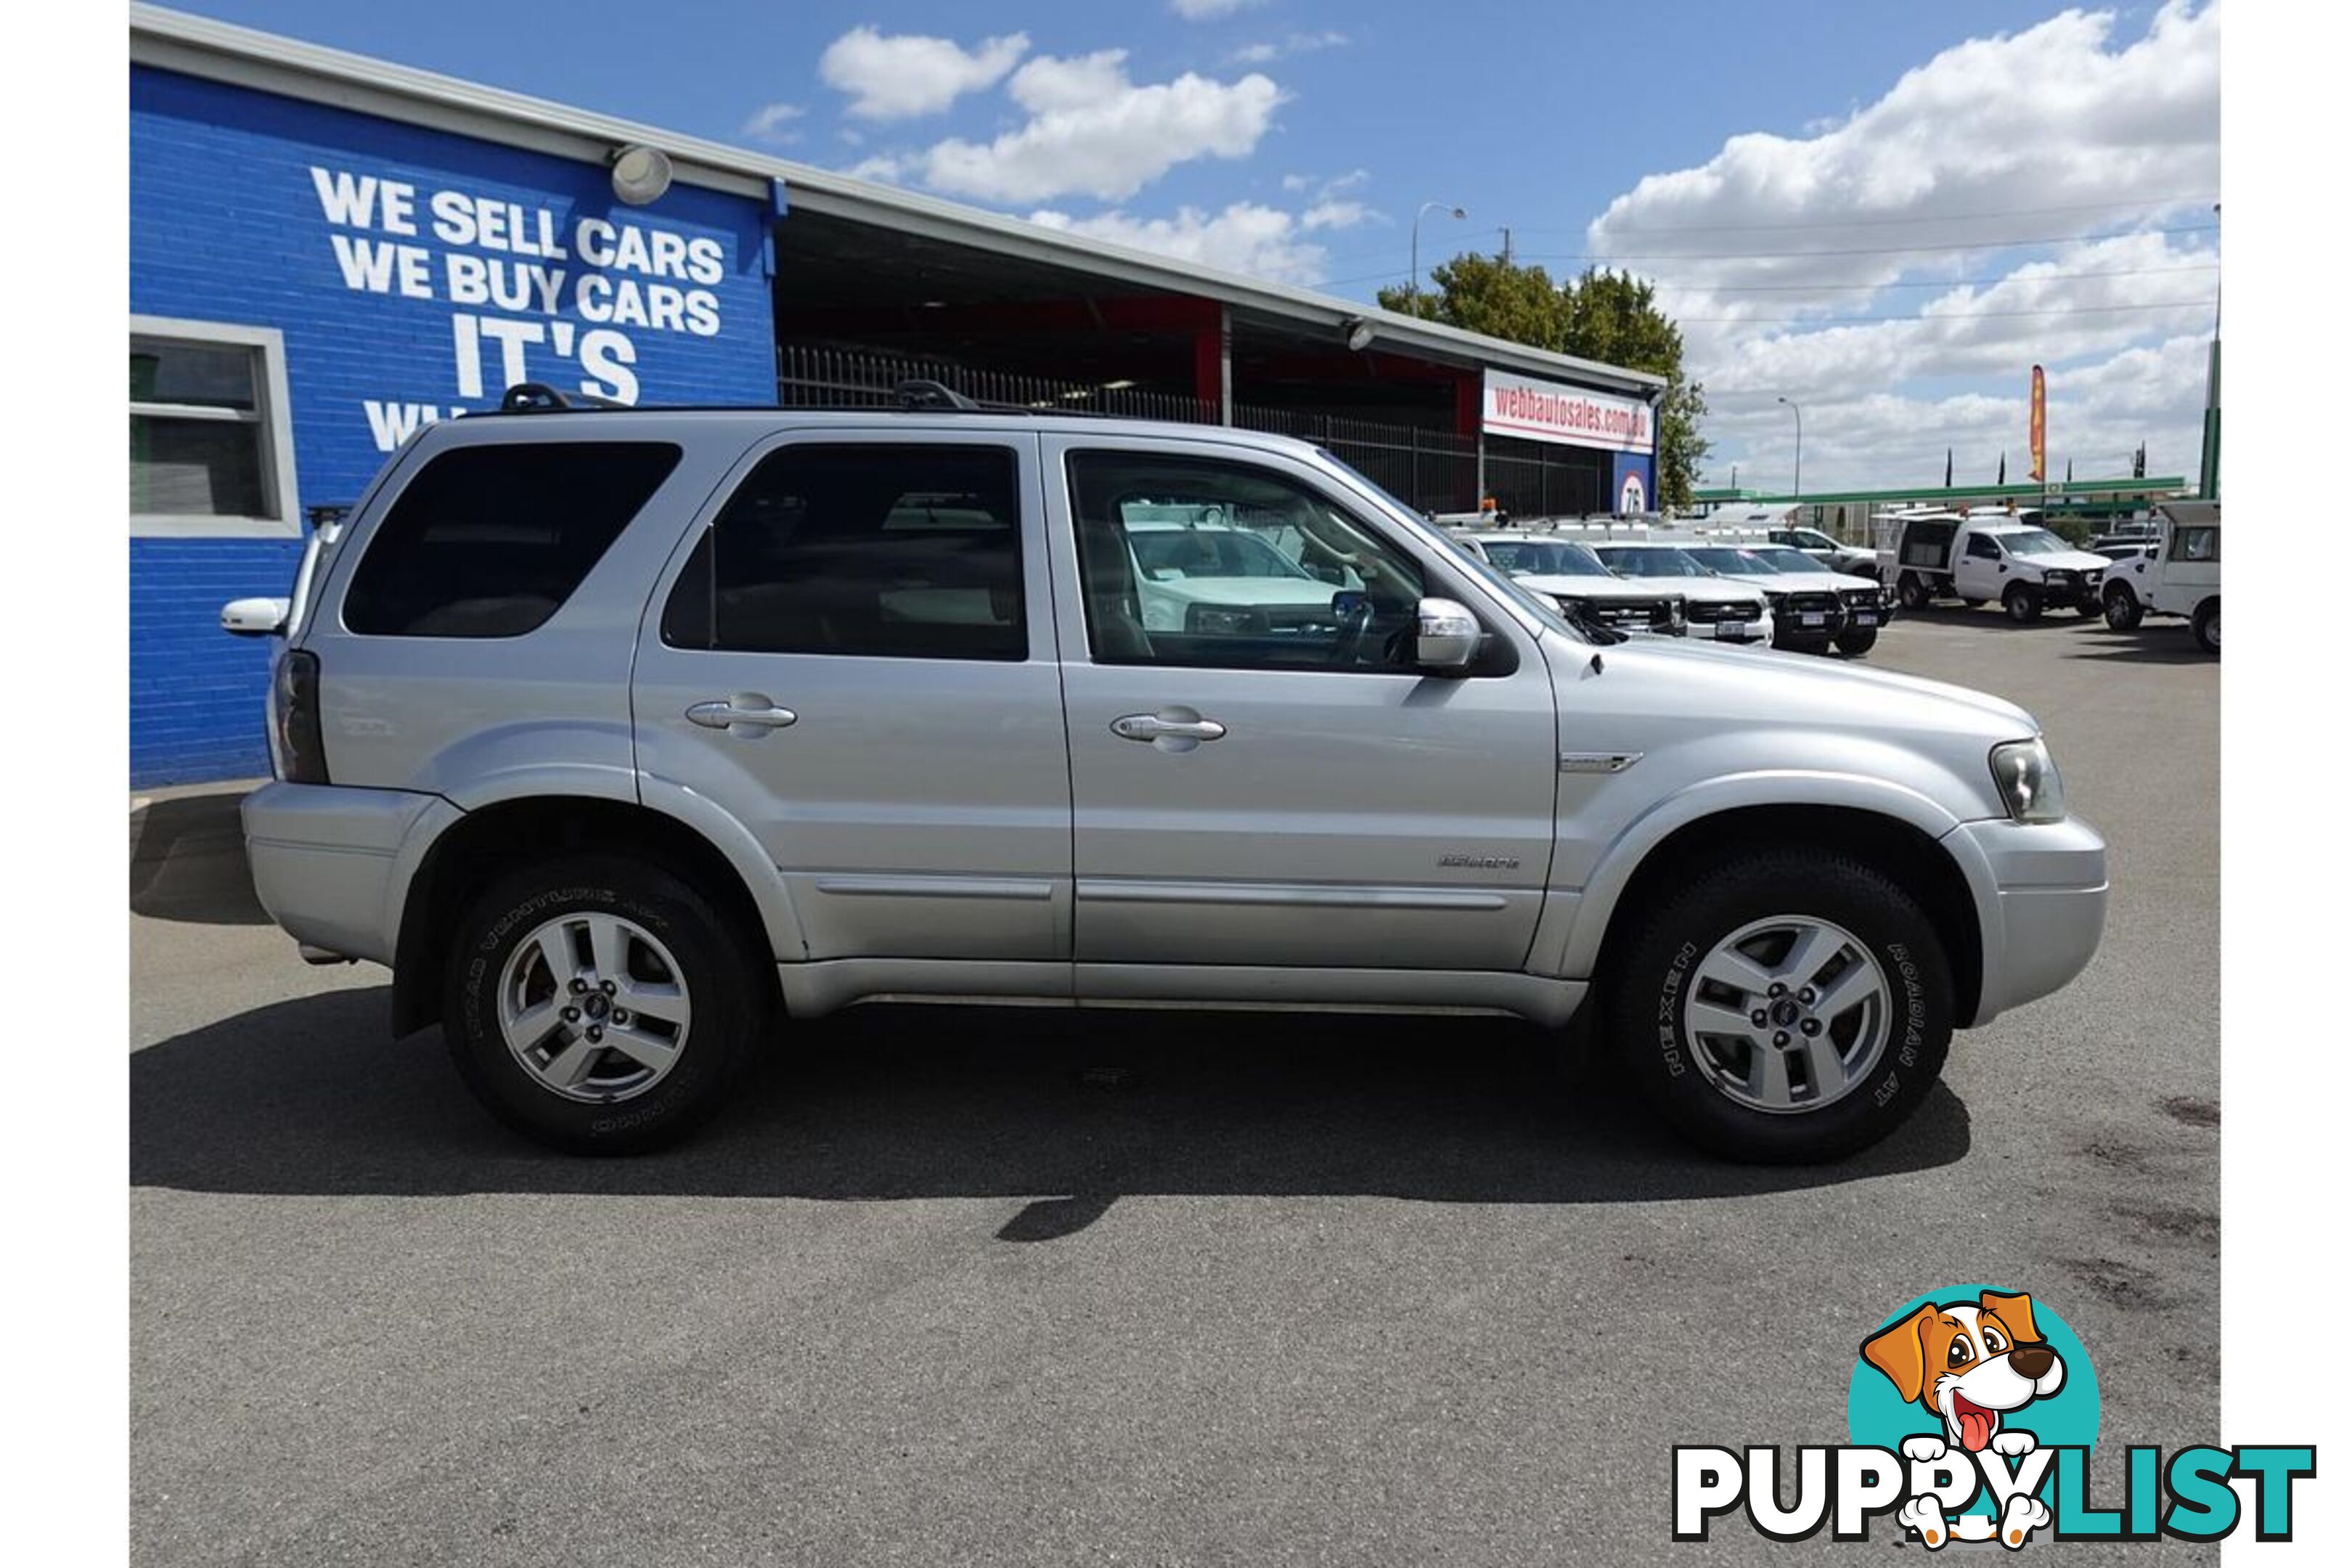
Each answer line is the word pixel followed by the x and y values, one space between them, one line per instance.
pixel 1981 571
pixel 852 653
pixel 1267 784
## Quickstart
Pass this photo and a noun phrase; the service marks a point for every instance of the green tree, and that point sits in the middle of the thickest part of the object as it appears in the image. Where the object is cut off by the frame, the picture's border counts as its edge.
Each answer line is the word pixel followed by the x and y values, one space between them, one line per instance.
pixel 1612 316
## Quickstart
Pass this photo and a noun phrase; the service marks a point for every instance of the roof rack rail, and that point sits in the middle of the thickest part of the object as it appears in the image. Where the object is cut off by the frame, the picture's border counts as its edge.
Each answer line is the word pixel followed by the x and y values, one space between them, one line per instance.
pixel 538 397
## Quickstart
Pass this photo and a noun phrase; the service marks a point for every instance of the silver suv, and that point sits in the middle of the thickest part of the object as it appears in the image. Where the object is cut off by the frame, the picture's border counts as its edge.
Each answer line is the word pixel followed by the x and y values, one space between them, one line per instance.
pixel 626 737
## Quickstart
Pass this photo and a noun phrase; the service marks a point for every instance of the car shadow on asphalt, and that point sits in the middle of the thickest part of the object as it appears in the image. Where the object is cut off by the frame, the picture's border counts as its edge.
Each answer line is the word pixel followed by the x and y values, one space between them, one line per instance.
pixel 187 862
pixel 1991 614
pixel 2170 645
pixel 1071 1110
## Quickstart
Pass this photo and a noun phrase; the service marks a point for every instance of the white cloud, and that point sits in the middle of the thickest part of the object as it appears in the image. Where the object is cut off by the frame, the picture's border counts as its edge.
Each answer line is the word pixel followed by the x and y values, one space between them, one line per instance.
pixel 1208 10
pixel 2012 159
pixel 1246 237
pixel 902 76
pixel 773 122
pixel 1259 54
pixel 1092 132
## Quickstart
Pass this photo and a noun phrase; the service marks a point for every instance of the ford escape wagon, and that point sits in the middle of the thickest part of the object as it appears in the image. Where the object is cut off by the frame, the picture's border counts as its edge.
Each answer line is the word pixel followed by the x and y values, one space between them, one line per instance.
pixel 627 737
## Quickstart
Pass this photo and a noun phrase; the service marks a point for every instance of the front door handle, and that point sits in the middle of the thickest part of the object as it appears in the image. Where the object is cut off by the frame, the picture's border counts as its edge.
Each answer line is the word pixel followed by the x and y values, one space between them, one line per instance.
pixel 1148 727
pixel 752 712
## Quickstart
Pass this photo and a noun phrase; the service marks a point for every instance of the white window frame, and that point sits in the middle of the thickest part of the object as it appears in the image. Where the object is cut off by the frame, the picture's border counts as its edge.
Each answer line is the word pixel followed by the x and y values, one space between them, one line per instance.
pixel 272 414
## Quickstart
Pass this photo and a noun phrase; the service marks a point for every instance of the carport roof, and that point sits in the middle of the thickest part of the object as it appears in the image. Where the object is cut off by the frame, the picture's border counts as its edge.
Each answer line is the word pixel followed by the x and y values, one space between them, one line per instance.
pixel 199 46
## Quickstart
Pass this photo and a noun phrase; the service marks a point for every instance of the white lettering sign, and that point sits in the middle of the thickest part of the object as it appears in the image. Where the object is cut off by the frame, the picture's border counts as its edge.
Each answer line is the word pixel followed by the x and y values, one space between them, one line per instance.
pixel 531 300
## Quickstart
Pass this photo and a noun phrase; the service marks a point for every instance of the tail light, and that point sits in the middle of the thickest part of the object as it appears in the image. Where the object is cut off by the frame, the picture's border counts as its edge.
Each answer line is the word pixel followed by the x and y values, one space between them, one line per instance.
pixel 294 714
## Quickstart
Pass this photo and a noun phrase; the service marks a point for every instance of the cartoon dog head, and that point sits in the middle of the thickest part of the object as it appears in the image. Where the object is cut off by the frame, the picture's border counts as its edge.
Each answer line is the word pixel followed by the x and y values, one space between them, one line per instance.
pixel 1968 1362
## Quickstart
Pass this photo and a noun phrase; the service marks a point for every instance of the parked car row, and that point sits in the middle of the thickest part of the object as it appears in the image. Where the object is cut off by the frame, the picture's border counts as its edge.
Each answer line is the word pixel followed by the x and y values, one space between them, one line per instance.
pixel 1719 584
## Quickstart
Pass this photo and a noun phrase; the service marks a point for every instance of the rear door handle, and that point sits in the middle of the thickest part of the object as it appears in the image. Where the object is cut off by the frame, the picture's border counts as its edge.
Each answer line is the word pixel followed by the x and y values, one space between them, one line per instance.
pixel 752 712
pixel 1152 727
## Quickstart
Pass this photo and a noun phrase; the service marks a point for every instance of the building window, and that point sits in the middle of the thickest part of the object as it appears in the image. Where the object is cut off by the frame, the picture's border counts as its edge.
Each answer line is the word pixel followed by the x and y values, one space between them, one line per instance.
pixel 211 449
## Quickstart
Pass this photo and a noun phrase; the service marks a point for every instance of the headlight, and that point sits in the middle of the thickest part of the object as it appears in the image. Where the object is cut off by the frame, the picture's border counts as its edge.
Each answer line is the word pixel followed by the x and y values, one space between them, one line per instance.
pixel 2029 782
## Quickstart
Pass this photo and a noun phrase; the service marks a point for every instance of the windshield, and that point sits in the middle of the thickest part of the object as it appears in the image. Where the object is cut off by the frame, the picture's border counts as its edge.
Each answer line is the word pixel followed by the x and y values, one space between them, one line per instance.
pixel 1780 558
pixel 1733 563
pixel 1650 561
pixel 1544 558
pixel 2034 541
pixel 1543 609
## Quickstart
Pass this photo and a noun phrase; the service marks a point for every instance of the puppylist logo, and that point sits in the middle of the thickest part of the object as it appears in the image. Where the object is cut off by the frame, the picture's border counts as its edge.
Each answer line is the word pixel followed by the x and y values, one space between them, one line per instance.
pixel 1973 1410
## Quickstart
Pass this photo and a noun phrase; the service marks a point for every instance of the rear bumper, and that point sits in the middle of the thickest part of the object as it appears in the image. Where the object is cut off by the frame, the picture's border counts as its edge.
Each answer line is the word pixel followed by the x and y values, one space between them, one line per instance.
pixel 332 864
pixel 2043 903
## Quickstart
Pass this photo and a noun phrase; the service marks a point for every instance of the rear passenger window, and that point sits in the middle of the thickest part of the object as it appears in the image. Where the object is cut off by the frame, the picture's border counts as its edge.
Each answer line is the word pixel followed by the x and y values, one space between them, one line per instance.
pixel 490 541
pixel 880 551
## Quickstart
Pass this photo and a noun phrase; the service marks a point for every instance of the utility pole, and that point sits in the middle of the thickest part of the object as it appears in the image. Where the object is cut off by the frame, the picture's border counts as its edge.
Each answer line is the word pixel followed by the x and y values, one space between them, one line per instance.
pixel 1506 245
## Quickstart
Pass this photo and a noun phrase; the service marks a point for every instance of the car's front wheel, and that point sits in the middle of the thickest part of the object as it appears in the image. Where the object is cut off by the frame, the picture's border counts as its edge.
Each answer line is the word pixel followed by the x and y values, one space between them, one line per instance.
pixel 1792 1007
pixel 1857 643
pixel 2123 610
pixel 2205 624
pixel 2022 604
pixel 598 1005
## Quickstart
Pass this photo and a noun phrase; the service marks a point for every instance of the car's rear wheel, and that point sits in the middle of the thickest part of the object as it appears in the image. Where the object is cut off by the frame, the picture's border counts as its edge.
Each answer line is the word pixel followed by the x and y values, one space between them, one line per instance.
pixel 1912 591
pixel 1857 643
pixel 598 1005
pixel 1792 1008
pixel 2022 604
pixel 2123 610
pixel 2205 624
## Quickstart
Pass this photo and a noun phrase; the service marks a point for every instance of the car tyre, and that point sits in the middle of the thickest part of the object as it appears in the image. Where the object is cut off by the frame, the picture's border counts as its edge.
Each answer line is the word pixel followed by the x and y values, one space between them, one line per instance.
pixel 2123 608
pixel 1911 592
pixel 2205 624
pixel 2022 604
pixel 1857 643
pixel 669 950
pixel 1673 954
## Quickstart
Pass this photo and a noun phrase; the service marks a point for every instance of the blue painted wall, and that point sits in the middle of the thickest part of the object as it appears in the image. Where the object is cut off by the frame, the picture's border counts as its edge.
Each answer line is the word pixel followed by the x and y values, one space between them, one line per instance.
pixel 1641 468
pixel 414 274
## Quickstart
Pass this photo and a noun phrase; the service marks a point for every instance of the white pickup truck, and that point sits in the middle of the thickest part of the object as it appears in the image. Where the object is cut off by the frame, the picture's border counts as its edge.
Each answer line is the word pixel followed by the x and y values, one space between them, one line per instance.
pixel 1982 556
pixel 2179 575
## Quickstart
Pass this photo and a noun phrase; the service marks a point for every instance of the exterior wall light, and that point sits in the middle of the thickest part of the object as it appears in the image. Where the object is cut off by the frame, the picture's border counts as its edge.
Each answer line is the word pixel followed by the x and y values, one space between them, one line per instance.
pixel 640 174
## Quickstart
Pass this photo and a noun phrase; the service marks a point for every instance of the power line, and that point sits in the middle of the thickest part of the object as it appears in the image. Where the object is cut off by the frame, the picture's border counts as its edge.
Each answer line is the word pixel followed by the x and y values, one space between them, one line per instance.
pixel 1805 254
pixel 1948 316
pixel 1928 282
pixel 2162 204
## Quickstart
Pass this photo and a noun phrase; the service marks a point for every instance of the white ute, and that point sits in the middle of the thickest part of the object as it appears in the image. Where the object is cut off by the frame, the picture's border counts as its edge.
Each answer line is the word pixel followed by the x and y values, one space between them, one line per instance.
pixel 1811 609
pixel 1717 608
pixel 1984 556
pixel 1568 573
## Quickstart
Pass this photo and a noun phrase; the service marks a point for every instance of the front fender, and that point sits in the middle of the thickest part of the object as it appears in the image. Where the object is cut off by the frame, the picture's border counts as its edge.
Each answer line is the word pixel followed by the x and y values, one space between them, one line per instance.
pixel 1575 945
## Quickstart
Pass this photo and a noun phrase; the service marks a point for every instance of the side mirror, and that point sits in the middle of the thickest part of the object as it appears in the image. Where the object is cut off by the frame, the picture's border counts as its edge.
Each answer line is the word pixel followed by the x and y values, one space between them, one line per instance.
pixel 254 617
pixel 1445 636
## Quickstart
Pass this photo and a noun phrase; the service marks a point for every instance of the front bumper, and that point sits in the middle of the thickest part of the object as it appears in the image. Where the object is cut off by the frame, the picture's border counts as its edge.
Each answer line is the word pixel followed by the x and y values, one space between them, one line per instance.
pixel 331 864
pixel 2041 898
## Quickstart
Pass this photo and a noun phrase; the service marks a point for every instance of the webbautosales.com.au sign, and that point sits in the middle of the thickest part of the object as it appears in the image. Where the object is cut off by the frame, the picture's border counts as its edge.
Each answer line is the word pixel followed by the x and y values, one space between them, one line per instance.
pixel 1570 416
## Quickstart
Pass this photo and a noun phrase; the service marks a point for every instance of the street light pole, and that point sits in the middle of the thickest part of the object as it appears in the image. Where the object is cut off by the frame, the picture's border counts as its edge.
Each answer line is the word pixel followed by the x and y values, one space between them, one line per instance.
pixel 1447 207
pixel 1798 491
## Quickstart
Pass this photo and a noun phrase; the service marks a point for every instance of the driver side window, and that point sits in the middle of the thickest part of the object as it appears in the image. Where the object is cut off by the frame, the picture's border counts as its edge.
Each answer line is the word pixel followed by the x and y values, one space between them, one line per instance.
pixel 1212 563
pixel 1983 549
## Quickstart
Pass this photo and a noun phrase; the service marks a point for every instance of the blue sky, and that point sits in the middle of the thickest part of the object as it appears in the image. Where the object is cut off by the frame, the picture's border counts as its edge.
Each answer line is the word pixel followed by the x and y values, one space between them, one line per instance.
pixel 1887 211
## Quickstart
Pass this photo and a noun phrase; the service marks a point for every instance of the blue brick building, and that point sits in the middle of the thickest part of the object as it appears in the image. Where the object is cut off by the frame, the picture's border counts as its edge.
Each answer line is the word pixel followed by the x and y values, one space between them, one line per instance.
pixel 309 283
pixel 327 250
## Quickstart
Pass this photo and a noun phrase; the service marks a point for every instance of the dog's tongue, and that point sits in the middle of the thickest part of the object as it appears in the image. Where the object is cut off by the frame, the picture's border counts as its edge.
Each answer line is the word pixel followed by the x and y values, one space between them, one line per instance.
pixel 1976 1425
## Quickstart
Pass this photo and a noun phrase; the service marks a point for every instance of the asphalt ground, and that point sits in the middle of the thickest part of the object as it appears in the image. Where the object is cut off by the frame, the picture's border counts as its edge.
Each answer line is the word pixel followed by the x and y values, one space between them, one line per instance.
pixel 970 1285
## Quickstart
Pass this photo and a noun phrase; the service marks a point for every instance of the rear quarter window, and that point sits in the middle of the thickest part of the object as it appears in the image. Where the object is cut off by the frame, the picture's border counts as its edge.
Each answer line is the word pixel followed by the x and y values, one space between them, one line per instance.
pixel 490 541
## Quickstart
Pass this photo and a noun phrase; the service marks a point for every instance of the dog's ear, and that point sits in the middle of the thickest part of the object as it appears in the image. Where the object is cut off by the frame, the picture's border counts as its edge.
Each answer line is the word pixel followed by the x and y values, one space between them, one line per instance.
pixel 1900 1351
pixel 2015 1313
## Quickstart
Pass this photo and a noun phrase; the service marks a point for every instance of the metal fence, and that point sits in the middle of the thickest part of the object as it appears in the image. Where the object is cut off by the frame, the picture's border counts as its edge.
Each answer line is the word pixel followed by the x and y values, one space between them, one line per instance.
pixel 1430 469
pixel 1542 484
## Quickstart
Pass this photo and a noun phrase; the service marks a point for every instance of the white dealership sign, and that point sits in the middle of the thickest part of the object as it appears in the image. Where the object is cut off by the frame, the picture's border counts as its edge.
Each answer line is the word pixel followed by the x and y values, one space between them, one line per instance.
pixel 1547 411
